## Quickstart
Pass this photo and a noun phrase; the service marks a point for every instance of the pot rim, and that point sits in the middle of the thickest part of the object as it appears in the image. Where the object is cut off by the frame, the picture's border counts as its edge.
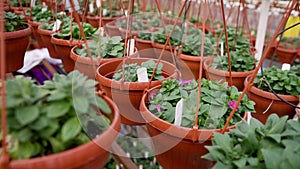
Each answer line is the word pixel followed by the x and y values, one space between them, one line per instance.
pixel 191 57
pixel 91 145
pixel 18 34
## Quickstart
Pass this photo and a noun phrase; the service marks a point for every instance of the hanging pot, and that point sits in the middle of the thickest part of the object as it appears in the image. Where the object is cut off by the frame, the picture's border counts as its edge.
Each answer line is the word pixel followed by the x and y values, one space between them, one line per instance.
pixel 267 103
pixel 16 44
pixel 92 155
pixel 112 29
pixel 238 78
pixel 46 38
pixel 286 55
pixel 127 95
pixel 144 48
pixel 177 147
pixel 35 34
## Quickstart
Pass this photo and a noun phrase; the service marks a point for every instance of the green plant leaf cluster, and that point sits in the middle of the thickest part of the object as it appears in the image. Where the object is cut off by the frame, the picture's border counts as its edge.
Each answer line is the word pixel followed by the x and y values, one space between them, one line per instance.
pixel 241 61
pixel 192 42
pixel 161 38
pixel 281 81
pixel 214 107
pixel 65 33
pixel 111 47
pixel 65 23
pixel 135 25
pixel 155 22
pixel 52 118
pixel 254 145
pixel 289 43
pixel 130 74
pixel 14 22
pixel 145 35
pixel 38 15
pixel 25 3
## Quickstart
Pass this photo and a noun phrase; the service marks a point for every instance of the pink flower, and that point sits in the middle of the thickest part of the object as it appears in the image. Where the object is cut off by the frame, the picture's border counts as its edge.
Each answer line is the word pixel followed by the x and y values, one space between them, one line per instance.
pixel 158 107
pixel 232 104
pixel 185 82
pixel 228 86
pixel 152 94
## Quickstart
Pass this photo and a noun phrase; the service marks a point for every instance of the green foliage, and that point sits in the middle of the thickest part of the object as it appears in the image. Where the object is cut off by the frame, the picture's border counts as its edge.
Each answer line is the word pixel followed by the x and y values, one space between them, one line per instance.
pixel 281 81
pixel 241 61
pixel 290 43
pixel 216 103
pixel 14 22
pixel 38 15
pixel 192 42
pixel 161 38
pixel 111 47
pixel 145 35
pixel 254 145
pixel 155 21
pixel 130 71
pixel 25 3
pixel 88 30
pixel 43 120
pixel 135 25
pixel 65 23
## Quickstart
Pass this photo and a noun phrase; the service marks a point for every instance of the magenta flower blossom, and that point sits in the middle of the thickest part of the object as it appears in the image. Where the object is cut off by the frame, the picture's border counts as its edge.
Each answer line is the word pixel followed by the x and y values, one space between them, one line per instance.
pixel 152 94
pixel 228 86
pixel 158 107
pixel 232 104
pixel 185 82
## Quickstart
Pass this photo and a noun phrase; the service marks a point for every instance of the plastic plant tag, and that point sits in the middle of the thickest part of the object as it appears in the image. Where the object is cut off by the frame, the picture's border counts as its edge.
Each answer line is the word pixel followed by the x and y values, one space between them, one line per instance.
pixel 98 3
pixel 126 13
pixel 91 7
pixel 142 74
pixel 44 9
pixel 248 117
pixel 69 7
pixel 222 48
pixel 32 3
pixel 104 12
pixel 140 166
pixel 101 31
pixel 131 46
pixel 56 25
pixel 178 112
pixel 285 66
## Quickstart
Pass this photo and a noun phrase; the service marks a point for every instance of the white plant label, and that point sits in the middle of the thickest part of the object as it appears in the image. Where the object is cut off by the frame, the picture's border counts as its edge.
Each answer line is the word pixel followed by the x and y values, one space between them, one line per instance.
pixel 126 13
pixel 44 9
pixel 178 112
pixel 32 3
pixel 56 25
pixel 142 74
pixel 286 66
pixel 222 48
pixel 91 7
pixel 131 46
pixel 69 7
pixel 104 12
pixel 101 31
pixel 98 3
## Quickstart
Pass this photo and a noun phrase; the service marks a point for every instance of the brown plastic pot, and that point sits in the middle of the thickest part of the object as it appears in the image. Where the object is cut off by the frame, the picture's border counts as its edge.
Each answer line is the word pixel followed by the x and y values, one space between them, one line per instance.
pixel 264 99
pixel 85 64
pixel 16 44
pixel 127 95
pixel 46 38
pixel 63 49
pixel 112 29
pixel 35 34
pixel 92 155
pixel 238 78
pixel 286 55
pixel 177 147
pixel 189 65
pixel 145 48
pixel 94 20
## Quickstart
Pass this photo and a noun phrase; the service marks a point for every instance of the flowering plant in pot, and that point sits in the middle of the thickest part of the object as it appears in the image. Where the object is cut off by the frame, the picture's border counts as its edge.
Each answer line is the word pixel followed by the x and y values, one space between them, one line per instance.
pixel 257 145
pixel 69 37
pixel 17 36
pixel 110 48
pixel 287 50
pixel 283 82
pixel 53 122
pixel 242 61
pixel 178 141
pixel 189 55
pixel 127 92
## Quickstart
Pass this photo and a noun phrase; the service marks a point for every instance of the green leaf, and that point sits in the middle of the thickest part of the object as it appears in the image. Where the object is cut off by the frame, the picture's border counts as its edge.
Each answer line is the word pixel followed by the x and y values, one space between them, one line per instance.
pixel 57 146
pixel 80 104
pixel 25 150
pixel 279 126
pixel 56 95
pixel 50 130
pixel 70 129
pixel 58 109
pixel 25 135
pixel 26 115
pixel 223 140
pixel 272 157
pixel 103 105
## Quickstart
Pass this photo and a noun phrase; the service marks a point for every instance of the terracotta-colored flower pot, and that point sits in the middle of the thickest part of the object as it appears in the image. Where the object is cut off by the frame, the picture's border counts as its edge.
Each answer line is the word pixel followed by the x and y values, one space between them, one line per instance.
pixel 167 55
pixel 16 44
pixel 264 99
pixel 92 155
pixel 286 55
pixel 36 35
pixel 63 49
pixel 238 78
pixel 94 20
pixel 112 29
pixel 177 147
pixel 144 48
pixel 85 64
pixel 127 95
pixel 189 66
pixel 46 38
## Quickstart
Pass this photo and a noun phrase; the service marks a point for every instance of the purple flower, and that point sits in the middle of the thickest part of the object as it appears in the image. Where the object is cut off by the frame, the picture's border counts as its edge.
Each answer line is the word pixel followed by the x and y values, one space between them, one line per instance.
pixel 152 94
pixel 228 86
pixel 232 104
pixel 185 82
pixel 158 107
